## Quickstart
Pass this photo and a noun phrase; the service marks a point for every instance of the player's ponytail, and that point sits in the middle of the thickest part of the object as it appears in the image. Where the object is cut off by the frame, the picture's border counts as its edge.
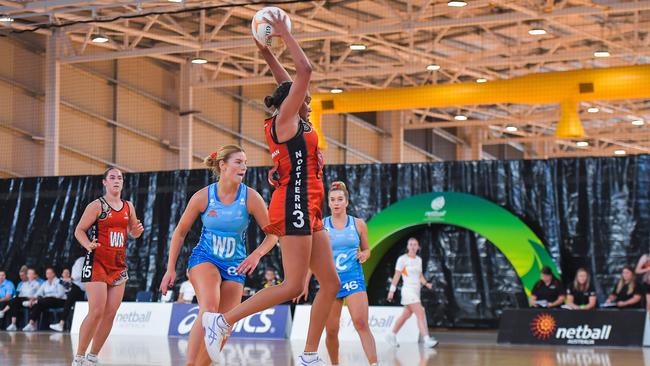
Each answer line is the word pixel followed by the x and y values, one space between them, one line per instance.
pixel 279 95
pixel 340 186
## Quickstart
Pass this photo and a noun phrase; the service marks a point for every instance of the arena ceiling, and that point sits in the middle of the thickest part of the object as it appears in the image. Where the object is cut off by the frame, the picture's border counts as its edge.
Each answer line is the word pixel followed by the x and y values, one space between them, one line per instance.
pixel 407 43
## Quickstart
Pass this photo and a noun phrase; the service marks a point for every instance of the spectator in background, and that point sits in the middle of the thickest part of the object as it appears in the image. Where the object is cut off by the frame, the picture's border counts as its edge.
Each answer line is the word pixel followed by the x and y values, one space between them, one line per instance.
pixel 581 294
pixel 26 296
pixel 548 292
pixel 626 294
pixel 270 277
pixel 643 268
pixel 66 280
pixel 7 292
pixel 50 295
pixel 22 274
pixel 186 292
pixel 77 292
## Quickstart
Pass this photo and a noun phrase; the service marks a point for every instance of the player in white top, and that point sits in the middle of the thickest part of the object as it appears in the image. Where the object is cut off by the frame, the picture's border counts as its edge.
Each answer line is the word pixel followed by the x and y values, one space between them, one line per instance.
pixel 409 267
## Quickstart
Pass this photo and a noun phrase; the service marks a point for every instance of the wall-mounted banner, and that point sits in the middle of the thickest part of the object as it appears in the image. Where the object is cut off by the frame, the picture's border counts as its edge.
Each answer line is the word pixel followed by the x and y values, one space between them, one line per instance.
pixel 133 318
pixel 381 320
pixel 573 327
pixel 506 231
pixel 273 323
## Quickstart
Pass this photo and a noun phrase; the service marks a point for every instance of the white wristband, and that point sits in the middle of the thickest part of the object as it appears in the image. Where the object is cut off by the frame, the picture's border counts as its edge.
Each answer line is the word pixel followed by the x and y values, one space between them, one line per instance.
pixel 392 288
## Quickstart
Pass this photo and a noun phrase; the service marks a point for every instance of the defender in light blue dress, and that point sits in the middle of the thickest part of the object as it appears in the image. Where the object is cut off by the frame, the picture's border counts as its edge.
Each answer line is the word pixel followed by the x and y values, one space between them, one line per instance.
pixel 223 237
pixel 345 245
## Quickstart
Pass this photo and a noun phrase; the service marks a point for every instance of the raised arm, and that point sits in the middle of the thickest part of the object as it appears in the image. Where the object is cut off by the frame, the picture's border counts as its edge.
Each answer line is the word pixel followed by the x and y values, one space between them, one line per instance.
pixel 279 72
pixel 197 204
pixel 287 118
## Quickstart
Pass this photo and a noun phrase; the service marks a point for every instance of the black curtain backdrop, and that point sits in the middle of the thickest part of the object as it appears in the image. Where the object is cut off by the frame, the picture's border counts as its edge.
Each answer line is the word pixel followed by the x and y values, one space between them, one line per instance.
pixel 589 212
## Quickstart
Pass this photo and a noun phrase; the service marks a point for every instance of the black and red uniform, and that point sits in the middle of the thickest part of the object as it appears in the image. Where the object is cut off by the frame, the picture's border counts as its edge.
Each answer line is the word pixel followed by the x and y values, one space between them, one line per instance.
pixel 297 204
pixel 107 263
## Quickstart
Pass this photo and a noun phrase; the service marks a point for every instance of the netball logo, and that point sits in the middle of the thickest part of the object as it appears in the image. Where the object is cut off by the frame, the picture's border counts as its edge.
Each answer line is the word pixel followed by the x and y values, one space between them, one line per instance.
pixel 543 326
pixel 437 205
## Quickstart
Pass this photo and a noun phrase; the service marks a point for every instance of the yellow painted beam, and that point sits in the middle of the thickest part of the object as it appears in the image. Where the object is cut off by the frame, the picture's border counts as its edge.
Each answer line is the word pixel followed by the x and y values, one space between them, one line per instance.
pixel 568 87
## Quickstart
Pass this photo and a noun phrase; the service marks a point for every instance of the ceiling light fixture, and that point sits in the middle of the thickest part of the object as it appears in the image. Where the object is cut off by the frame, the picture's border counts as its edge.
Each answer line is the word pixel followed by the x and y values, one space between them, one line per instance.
pixel 593 110
pixel 619 152
pixel 433 67
pixel 460 117
pixel 638 122
pixel 199 60
pixel 582 144
pixel 481 80
pixel 98 38
pixel 336 90
pixel 511 128
pixel 358 47
pixel 536 32
pixel 457 4
pixel 601 53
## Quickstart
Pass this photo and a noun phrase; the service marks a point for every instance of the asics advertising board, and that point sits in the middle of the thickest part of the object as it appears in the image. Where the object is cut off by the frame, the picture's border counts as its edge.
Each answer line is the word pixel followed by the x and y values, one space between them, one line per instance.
pixel 273 323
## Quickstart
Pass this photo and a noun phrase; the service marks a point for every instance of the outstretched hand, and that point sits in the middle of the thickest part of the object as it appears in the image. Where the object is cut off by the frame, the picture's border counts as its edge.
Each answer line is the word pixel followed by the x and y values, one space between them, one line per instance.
pixel 278 22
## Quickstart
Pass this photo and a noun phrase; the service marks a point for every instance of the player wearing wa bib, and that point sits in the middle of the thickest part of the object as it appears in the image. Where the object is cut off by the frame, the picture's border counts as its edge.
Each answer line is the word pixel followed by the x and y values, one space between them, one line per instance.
pixel 107 263
pixel 345 245
pixel 223 237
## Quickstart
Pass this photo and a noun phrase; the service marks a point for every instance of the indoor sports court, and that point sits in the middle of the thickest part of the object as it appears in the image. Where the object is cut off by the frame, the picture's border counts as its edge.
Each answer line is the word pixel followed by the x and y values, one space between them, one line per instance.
pixel 344 182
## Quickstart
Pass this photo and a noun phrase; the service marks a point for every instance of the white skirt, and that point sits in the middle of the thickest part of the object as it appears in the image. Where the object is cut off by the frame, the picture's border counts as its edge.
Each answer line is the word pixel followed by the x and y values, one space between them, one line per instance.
pixel 410 295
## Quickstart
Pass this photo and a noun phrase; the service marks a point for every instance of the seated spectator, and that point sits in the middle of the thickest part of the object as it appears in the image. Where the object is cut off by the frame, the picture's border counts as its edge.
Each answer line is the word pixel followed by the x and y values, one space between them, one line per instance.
pixel 22 274
pixel 270 277
pixel 626 294
pixel 76 292
pixel 66 280
pixel 186 292
pixel 581 294
pixel 548 291
pixel 50 295
pixel 7 292
pixel 26 296
pixel 643 268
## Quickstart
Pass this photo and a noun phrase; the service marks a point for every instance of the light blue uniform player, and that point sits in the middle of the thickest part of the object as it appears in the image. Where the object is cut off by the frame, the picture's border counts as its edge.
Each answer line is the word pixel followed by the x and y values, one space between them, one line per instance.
pixel 223 237
pixel 345 245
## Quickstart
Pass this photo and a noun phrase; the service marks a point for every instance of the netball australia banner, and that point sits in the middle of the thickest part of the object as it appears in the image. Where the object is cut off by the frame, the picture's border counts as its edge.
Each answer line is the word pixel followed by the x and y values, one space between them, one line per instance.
pixel 133 318
pixel 381 320
pixel 273 323
pixel 574 327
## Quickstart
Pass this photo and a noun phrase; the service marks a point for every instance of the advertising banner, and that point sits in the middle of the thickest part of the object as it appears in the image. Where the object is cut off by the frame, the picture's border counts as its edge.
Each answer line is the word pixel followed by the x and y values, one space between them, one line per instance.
pixel 568 327
pixel 273 323
pixel 133 318
pixel 381 320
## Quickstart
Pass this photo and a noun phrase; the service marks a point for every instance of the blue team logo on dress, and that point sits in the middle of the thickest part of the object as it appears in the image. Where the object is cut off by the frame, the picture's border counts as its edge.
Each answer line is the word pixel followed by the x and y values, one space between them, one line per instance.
pixel 339 262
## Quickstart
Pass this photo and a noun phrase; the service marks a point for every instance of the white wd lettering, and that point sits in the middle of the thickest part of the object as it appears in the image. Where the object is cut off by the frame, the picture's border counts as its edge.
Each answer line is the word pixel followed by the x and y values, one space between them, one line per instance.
pixel 117 239
pixel 340 258
pixel 223 247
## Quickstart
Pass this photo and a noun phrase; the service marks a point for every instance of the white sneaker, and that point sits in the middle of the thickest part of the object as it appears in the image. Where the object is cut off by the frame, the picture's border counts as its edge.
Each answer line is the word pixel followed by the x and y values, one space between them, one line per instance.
pixel 2 314
pixel 56 327
pixel 391 339
pixel 314 362
pixel 29 328
pixel 12 328
pixel 78 360
pixel 90 360
pixel 213 334
pixel 430 342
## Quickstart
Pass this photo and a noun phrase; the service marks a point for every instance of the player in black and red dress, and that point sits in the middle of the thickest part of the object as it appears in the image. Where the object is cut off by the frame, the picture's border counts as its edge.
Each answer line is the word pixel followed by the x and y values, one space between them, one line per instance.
pixel 295 210
pixel 109 219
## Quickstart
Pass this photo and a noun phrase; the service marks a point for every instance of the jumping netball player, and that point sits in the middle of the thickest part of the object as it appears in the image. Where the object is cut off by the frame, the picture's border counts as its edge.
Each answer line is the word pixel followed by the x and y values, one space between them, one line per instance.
pixel 349 239
pixel 217 264
pixel 104 271
pixel 295 209
pixel 409 268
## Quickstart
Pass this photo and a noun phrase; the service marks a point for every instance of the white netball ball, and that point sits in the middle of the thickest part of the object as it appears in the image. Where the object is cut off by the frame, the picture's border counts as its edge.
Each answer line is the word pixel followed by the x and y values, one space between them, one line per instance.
pixel 262 29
